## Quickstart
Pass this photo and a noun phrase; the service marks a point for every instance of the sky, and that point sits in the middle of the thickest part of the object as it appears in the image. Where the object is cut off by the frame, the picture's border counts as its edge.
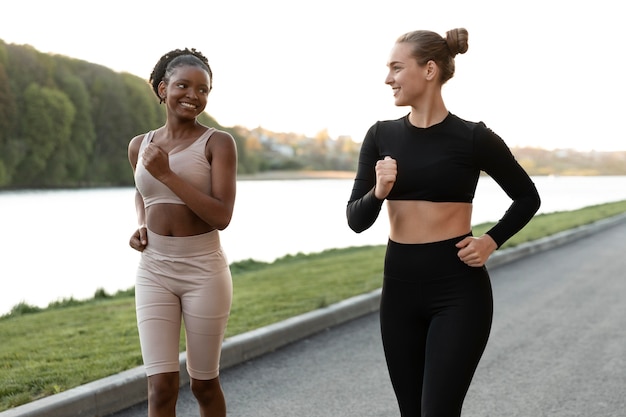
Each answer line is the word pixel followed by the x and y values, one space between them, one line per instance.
pixel 540 73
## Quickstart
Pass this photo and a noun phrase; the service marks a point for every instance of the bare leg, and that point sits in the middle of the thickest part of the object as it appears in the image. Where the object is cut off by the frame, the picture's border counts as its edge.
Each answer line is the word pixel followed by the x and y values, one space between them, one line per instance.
pixel 163 394
pixel 210 397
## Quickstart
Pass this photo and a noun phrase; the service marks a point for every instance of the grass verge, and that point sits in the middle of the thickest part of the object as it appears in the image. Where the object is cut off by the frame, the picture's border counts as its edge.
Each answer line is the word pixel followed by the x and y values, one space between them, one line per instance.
pixel 72 342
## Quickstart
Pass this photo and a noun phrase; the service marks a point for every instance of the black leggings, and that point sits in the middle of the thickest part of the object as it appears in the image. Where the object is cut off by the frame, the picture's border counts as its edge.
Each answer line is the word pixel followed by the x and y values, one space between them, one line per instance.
pixel 435 319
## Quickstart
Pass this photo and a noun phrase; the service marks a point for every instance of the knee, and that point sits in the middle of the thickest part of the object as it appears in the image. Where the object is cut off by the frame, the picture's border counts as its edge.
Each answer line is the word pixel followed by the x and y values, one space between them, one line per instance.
pixel 206 391
pixel 163 389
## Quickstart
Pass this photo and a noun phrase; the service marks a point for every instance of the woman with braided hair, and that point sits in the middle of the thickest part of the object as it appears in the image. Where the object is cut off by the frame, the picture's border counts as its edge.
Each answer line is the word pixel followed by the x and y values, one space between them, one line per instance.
pixel 436 304
pixel 185 175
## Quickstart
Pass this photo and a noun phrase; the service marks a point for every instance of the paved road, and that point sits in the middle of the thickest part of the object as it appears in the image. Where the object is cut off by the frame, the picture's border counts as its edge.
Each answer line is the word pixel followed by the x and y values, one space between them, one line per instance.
pixel 557 349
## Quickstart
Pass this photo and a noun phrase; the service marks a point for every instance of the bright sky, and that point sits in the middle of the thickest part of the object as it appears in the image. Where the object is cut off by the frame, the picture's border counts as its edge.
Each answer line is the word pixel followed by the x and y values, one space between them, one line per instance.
pixel 544 73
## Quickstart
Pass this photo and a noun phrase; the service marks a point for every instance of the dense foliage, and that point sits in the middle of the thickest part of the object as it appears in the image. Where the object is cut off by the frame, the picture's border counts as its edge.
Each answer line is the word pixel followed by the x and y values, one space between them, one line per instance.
pixel 67 123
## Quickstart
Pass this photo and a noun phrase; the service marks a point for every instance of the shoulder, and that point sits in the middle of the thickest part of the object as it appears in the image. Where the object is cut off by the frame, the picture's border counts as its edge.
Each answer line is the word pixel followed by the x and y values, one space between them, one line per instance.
pixel 134 145
pixel 136 141
pixel 399 123
pixel 488 146
pixel 385 127
pixel 221 139
pixel 479 131
pixel 461 124
pixel 221 143
pixel 221 135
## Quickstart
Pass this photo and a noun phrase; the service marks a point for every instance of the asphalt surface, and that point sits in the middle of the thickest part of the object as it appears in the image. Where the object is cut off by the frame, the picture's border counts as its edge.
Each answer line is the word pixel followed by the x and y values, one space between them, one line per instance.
pixel 557 348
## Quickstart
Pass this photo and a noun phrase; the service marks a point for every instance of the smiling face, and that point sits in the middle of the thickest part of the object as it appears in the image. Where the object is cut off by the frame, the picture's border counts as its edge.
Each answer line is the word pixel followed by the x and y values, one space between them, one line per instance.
pixel 408 80
pixel 186 92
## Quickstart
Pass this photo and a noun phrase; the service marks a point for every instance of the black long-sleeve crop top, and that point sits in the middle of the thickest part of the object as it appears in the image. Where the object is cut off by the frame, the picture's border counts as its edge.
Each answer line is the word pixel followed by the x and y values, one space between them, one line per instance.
pixel 441 163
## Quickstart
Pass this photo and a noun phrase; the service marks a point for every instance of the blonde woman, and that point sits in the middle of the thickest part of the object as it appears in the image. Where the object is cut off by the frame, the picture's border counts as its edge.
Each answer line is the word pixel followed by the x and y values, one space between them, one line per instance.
pixel 436 307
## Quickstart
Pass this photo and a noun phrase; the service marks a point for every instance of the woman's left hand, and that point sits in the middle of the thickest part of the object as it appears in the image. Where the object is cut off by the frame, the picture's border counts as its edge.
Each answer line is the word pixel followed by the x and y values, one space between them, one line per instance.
pixel 139 239
pixel 474 251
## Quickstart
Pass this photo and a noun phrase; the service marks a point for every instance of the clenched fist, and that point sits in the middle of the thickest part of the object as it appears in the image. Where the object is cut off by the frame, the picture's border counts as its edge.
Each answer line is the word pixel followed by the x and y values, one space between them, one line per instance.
pixel 139 239
pixel 156 161
pixel 386 173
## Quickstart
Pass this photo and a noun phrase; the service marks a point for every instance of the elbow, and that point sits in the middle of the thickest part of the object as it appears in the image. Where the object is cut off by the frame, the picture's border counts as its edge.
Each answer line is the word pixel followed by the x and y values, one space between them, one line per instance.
pixel 222 224
pixel 352 224
pixel 531 201
pixel 355 227
pixel 536 202
pixel 357 221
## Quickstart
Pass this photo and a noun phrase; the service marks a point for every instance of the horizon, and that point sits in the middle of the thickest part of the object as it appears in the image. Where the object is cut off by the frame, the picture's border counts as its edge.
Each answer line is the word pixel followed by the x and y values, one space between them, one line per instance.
pixel 290 68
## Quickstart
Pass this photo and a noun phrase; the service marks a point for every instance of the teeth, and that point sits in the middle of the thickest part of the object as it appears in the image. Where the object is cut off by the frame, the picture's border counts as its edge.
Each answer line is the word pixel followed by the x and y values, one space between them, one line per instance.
pixel 191 106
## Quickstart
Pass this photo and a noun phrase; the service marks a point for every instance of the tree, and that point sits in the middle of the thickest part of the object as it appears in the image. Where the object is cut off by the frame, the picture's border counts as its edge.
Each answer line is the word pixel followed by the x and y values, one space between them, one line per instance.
pixel 113 125
pixel 83 135
pixel 146 112
pixel 46 125
pixel 8 112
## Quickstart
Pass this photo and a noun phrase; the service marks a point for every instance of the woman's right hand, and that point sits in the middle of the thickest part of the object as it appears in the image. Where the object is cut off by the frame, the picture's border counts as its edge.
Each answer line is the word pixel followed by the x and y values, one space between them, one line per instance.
pixel 386 172
pixel 139 239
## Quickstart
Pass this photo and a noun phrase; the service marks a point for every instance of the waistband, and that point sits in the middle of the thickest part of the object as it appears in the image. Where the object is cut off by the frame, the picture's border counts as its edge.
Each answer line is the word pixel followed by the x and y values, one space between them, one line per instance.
pixel 420 261
pixel 184 246
pixel 432 245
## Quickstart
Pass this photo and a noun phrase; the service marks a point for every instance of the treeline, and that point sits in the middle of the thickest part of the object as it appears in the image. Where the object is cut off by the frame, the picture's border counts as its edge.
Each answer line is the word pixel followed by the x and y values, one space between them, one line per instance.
pixel 275 151
pixel 269 151
pixel 570 162
pixel 65 122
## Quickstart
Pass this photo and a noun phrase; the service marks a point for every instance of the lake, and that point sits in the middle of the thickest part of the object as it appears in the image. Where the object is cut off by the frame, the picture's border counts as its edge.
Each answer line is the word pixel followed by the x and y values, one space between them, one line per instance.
pixel 69 243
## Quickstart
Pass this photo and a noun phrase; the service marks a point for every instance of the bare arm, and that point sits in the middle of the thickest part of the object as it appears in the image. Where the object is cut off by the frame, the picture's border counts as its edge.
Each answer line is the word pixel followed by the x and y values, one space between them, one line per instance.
pixel 138 240
pixel 216 208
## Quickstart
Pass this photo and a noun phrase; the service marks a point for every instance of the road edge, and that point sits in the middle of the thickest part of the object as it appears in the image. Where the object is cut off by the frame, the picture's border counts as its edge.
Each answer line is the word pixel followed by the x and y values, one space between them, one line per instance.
pixel 118 392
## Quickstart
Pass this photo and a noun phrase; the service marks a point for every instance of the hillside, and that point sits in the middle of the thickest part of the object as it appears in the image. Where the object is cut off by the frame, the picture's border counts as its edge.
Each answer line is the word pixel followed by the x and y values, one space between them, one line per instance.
pixel 65 122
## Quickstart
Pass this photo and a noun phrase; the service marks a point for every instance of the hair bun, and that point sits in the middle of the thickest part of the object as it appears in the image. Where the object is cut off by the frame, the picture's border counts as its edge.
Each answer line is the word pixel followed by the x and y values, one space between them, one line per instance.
pixel 457 41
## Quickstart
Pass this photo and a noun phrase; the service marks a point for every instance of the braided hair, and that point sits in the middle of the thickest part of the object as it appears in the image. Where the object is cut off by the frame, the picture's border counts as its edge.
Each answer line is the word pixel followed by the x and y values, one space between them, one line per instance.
pixel 176 58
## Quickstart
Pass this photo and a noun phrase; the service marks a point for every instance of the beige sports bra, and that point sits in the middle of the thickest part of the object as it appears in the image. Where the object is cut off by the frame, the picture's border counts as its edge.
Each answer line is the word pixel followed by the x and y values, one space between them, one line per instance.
pixel 189 163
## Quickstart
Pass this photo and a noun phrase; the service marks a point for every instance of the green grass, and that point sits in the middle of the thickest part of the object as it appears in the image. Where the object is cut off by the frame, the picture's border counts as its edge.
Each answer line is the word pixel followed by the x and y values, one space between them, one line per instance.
pixel 72 342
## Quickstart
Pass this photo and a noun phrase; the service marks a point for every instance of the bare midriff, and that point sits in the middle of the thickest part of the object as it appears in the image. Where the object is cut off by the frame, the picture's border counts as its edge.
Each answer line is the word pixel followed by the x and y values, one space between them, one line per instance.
pixel 175 220
pixel 426 221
